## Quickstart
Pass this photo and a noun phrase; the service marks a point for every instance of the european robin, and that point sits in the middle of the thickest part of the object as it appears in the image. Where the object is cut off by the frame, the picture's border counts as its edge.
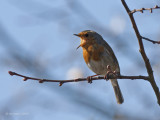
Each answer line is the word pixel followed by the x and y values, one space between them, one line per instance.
pixel 98 55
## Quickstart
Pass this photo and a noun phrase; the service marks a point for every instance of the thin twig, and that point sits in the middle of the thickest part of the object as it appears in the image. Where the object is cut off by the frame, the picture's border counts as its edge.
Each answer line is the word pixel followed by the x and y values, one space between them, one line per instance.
pixel 25 78
pixel 142 51
pixel 154 42
pixel 142 9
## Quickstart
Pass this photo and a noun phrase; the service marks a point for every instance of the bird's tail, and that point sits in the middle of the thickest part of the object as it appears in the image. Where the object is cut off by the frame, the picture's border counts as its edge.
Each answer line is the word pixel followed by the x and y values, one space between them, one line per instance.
pixel 117 91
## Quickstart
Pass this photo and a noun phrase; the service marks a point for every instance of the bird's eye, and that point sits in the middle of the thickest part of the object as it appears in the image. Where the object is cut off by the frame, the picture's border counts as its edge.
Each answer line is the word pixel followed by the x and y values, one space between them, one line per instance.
pixel 86 35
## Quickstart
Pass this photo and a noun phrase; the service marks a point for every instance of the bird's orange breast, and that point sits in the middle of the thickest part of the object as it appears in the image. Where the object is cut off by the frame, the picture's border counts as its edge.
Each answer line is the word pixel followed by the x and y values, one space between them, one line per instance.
pixel 93 52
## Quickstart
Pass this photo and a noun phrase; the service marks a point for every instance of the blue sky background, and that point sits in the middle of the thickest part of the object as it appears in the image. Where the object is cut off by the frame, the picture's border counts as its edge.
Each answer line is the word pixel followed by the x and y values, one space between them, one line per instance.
pixel 36 39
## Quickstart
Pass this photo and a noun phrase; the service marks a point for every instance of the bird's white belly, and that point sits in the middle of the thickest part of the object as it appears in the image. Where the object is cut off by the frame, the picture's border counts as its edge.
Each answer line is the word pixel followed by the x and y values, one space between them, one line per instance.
pixel 99 67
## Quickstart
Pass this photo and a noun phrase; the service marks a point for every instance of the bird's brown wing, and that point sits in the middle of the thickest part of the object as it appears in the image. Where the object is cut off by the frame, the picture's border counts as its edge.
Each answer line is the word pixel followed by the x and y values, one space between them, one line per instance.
pixel 111 53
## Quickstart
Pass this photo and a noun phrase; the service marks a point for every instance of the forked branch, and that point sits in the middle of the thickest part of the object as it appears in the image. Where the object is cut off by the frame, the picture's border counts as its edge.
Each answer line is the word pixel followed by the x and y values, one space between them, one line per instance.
pixel 154 42
pixel 142 51
pixel 142 9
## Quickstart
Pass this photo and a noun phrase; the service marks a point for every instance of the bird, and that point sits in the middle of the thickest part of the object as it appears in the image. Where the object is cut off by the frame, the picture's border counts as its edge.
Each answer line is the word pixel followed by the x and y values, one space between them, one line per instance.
pixel 98 55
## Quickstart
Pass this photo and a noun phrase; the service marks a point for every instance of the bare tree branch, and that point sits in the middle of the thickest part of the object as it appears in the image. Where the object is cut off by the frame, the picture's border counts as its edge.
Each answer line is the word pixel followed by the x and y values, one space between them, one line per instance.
pixel 154 42
pixel 150 76
pixel 142 9
pixel 142 51
pixel 25 78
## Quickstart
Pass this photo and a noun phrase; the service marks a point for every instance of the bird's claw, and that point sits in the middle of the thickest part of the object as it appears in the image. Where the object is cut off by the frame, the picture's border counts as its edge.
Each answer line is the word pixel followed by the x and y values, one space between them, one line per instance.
pixel 107 75
pixel 110 73
pixel 89 79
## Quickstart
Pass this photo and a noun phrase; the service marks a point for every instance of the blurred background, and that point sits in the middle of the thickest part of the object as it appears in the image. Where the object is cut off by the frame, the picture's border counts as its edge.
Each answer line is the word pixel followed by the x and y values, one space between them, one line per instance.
pixel 36 39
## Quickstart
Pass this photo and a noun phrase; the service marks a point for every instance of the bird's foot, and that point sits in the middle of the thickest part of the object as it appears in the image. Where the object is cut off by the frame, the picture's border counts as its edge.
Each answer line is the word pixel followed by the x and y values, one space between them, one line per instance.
pixel 89 78
pixel 110 73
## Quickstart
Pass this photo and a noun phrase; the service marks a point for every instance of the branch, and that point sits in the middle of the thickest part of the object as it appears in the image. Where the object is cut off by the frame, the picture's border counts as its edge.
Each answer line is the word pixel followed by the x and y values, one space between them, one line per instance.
pixel 25 78
pixel 154 42
pixel 142 9
pixel 142 51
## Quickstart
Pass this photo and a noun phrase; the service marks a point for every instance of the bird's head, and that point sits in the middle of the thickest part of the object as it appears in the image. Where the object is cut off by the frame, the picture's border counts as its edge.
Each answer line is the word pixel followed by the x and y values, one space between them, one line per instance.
pixel 88 37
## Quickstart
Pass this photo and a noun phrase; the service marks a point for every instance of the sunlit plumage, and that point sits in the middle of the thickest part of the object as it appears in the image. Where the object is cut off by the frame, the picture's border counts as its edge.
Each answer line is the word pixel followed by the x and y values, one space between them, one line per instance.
pixel 98 55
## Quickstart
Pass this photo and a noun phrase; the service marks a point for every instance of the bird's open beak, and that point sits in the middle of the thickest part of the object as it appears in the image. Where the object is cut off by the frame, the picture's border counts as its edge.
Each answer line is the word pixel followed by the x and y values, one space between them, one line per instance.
pixel 78 46
pixel 77 36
